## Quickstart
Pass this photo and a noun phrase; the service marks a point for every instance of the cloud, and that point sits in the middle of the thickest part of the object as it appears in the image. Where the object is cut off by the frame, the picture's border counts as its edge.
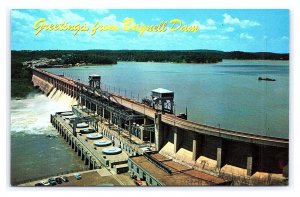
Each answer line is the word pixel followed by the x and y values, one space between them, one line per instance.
pixel 228 19
pixel 204 26
pixel 68 15
pixel 229 29
pixel 212 37
pixel 210 21
pixel 58 16
pixel 16 14
pixel 111 20
pixel 246 36
pixel 284 38
pixel 99 11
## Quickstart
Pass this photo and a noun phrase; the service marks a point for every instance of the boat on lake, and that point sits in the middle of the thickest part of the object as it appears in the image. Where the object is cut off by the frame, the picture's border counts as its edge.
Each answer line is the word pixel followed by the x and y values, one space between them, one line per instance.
pixel 266 79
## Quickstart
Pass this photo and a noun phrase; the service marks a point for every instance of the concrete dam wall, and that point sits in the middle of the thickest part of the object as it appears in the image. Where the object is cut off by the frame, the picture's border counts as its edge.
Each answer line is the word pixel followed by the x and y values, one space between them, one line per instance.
pixel 213 153
pixel 201 147
pixel 43 85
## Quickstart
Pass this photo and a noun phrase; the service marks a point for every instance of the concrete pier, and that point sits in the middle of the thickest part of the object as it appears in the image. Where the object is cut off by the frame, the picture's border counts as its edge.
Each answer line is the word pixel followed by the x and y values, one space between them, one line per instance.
pixel 195 146
pixel 158 131
pixel 75 144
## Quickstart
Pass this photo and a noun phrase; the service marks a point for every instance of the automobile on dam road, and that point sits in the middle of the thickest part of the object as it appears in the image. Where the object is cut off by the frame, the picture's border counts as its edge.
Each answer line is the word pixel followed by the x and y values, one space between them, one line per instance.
pixel 52 181
pixel 42 183
pixel 58 180
pixel 77 176
pixel 64 179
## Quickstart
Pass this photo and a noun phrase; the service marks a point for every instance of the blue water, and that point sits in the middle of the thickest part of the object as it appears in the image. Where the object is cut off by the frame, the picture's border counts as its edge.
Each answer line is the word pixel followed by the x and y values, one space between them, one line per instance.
pixel 226 94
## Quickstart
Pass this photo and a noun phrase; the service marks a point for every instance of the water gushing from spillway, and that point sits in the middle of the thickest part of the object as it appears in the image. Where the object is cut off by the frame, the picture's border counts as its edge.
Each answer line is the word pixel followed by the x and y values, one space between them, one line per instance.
pixel 32 115
pixel 62 99
pixel 35 149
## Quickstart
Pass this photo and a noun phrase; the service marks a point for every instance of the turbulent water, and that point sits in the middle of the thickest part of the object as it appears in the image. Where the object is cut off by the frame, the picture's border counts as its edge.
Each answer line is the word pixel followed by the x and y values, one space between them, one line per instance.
pixel 36 149
pixel 226 94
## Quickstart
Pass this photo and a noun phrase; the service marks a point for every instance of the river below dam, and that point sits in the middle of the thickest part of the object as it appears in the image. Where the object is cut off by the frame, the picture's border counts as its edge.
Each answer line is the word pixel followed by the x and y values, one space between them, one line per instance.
pixel 226 94
pixel 37 151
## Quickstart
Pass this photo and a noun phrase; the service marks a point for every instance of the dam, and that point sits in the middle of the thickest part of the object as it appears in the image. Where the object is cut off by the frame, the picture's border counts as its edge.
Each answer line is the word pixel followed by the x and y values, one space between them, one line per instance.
pixel 201 147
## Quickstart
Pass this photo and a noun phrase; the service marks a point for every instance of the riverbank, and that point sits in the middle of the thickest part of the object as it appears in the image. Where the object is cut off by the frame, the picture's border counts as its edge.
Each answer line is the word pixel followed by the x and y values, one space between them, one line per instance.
pixel 20 88
pixel 21 84
pixel 100 177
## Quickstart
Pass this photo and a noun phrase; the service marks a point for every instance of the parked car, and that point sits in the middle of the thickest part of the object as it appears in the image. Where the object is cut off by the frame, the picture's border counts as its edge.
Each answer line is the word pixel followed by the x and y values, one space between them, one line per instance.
pixel 138 182
pixel 77 176
pixel 133 176
pixel 58 180
pixel 52 181
pixel 39 184
pixel 64 179
pixel 45 183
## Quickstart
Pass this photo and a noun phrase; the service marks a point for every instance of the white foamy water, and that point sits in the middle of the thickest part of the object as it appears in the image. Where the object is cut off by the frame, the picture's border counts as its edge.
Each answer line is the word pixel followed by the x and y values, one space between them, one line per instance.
pixel 32 115
pixel 62 99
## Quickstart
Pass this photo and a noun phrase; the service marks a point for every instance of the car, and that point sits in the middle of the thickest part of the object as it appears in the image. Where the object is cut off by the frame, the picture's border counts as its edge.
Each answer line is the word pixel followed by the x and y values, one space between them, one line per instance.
pixel 64 179
pixel 45 183
pixel 58 180
pixel 77 176
pixel 133 176
pixel 138 182
pixel 39 184
pixel 52 181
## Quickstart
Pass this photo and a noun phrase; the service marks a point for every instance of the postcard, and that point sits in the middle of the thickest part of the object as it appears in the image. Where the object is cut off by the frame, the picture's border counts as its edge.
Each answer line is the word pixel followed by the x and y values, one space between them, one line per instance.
pixel 149 97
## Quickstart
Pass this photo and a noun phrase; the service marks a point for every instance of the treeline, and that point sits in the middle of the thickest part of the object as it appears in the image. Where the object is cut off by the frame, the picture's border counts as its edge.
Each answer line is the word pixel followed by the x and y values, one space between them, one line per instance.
pixel 87 58
pixel 255 56
pixel 113 56
pixel 165 56
pixel 20 79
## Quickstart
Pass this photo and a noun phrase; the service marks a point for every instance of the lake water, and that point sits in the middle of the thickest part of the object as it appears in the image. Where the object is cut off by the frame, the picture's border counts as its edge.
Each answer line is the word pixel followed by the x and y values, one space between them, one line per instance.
pixel 33 153
pixel 226 93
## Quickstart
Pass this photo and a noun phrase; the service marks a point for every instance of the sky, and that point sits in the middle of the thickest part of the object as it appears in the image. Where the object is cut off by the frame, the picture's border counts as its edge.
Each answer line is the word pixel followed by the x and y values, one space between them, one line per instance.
pixel 254 30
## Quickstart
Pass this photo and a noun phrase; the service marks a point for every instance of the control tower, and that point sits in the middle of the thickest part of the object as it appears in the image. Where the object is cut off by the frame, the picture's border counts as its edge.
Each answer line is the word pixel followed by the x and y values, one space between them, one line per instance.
pixel 163 100
pixel 95 81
